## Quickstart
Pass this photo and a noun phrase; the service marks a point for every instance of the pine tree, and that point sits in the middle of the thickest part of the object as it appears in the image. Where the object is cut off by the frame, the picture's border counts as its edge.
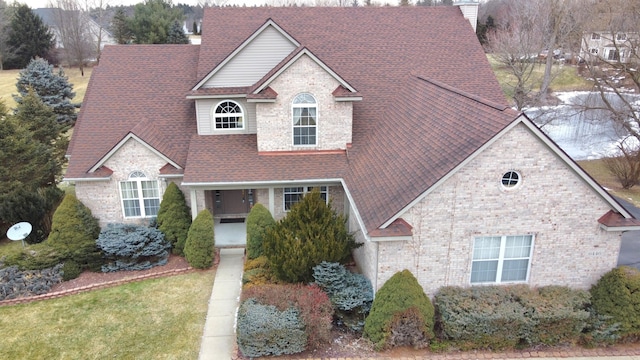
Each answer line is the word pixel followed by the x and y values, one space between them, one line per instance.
pixel 120 27
pixel 28 37
pixel 174 218
pixel 152 20
pixel 54 90
pixel 176 34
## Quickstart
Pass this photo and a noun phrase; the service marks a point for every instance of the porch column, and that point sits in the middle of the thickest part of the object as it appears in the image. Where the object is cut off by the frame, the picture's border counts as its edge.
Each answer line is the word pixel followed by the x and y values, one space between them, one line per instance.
pixel 272 201
pixel 194 204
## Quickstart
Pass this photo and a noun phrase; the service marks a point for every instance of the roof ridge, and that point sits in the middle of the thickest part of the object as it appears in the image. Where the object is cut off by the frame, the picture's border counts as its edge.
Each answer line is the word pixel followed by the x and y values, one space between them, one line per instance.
pixel 470 96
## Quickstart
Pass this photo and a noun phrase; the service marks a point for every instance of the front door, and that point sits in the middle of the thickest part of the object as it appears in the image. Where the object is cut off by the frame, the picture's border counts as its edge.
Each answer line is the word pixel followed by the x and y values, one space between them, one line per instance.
pixel 229 202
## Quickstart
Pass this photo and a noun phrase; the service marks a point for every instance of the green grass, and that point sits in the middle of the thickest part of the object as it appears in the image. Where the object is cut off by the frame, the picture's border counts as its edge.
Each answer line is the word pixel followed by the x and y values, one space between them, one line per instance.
pixel 567 78
pixel 153 319
pixel 8 79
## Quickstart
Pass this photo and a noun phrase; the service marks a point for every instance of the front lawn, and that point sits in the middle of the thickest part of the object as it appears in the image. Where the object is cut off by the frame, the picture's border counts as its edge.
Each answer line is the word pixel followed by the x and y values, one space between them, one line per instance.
pixel 153 319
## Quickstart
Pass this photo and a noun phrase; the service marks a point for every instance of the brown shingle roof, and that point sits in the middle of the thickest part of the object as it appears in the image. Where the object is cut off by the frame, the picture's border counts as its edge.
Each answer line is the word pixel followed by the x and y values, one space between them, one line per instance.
pixel 430 99
pixel 139 89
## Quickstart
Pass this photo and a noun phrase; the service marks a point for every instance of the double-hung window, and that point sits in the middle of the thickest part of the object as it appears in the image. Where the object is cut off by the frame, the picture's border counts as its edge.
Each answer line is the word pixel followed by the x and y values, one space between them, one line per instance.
pixel 293 195
pixel 498 259
pixel 305 118
pixel 140 196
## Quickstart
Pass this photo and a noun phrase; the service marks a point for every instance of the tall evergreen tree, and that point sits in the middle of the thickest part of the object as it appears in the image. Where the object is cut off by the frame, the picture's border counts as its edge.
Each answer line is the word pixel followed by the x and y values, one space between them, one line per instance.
pixel 152 20
pixel 54 90
pixel 177 35
pixel 28 38
pixel 120 27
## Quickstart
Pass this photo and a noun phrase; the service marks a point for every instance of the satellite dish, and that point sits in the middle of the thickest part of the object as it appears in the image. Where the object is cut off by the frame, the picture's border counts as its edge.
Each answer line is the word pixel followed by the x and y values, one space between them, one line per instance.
pixel 19 231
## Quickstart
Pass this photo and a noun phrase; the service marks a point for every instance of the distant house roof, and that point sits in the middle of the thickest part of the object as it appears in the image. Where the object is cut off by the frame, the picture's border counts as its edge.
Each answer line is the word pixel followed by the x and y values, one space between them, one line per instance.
pixel 429 100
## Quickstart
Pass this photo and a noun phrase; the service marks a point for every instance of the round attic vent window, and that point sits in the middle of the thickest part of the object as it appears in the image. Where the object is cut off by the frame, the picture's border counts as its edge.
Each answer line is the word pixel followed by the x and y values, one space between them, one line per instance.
pixel 510 179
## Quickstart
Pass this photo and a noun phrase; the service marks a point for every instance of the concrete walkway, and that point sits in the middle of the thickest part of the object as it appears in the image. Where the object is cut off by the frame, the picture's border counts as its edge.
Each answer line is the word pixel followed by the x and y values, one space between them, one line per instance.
pixel 219 338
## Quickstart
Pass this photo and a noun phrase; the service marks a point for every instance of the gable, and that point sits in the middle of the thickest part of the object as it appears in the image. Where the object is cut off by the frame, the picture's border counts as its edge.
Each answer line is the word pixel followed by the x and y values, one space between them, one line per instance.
pixel 259 55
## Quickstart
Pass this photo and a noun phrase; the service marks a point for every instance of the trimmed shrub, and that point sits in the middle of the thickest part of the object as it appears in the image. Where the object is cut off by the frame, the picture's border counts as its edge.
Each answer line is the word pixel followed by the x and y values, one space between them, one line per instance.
pixel 70 270
pixel 258 221
pixel 132 247
pixel 174 218
pixel 311 233
pixel 351 294
pixel 401 314
pixel 15 283
pixel 617 296
pixel 499 317
pixel 264 330
pixel 256 272
pixel 199 248
pixel 310 301
pixel 74 232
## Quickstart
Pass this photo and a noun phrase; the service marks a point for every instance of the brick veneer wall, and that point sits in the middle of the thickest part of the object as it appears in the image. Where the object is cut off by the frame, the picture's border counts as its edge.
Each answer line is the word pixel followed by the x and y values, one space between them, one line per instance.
pixel 103 197
pixel 274 120
pixel 551 202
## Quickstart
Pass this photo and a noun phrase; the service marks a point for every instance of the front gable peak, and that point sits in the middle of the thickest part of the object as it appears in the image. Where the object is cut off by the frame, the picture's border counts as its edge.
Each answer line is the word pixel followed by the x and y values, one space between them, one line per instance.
pixel 252 59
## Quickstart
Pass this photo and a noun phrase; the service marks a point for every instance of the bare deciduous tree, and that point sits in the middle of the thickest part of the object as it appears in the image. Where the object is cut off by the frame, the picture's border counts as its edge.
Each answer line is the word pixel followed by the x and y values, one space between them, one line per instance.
pixel 73 30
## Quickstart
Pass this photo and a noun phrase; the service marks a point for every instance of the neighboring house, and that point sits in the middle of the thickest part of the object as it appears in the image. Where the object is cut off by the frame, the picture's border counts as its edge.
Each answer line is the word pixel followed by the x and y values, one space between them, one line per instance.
pixel 609 46
pixel 393 113
pixel 96 31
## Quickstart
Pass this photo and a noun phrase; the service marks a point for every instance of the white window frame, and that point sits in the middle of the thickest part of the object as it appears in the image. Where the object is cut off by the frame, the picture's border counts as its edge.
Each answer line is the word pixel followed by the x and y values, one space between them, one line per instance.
pixel 595 36
pixel 136 179
pixel 304 190
pixel 614 55
pixel 227 115
pixel 301 102
pixel 621 37
pixel 501 259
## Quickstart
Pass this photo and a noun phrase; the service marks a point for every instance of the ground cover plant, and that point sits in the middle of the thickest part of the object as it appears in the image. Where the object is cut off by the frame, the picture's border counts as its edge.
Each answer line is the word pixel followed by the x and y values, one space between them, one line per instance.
pixel 152 319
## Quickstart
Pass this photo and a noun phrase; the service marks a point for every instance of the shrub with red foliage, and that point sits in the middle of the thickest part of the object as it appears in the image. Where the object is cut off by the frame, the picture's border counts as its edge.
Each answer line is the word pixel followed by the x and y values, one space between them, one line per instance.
pixel 313 304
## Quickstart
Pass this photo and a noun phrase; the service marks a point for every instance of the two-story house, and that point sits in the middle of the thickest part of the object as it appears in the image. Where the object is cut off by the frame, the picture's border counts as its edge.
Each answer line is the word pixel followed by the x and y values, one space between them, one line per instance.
pixel 617 47
pixel 393 113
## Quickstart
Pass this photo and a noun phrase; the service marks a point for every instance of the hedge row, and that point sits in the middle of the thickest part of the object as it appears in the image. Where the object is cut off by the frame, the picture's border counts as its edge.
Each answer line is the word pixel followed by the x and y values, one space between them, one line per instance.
pixel 499 317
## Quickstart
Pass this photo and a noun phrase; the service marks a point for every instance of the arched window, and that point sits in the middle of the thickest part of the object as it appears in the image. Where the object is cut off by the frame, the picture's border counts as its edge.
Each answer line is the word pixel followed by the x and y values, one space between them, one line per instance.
pixel 140 196
pixel 305 118
pixel 228 115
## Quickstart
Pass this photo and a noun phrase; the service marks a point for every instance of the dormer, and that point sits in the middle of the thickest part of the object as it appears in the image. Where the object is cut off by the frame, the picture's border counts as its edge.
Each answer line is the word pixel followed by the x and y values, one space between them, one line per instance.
pixel 272 86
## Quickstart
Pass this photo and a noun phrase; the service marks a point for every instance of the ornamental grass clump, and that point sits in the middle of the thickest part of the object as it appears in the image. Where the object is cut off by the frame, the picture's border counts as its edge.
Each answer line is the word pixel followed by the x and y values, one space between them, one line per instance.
pixel 401 314
pixel 199 247
pixel 311 233
pixel 174 218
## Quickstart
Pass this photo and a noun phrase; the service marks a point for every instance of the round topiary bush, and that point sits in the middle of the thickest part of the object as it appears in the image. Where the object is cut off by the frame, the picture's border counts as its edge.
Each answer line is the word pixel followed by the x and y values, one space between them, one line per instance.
pixel 616 295
pixel 401 314
pixel 132 247
pixel 199 248
pixel 174 218
pixel 258 221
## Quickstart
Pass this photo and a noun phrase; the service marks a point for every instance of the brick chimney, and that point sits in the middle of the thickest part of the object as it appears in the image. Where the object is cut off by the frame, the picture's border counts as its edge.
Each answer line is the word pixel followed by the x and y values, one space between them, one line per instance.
pixel 469 10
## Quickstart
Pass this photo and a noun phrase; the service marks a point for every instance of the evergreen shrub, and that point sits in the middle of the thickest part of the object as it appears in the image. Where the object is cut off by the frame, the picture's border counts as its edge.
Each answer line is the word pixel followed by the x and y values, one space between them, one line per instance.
pixel 132 247
pixel 311 233
pixel 310 302
pixel 174 218
pixel 256 272
pixel 15 283
pixel 199 247
pixel 263 330
pixel 351 294
pixel 500 317
pixel 258 221
pixel 70 270
pixel 616 296
pixel 74 232
pixel 401 314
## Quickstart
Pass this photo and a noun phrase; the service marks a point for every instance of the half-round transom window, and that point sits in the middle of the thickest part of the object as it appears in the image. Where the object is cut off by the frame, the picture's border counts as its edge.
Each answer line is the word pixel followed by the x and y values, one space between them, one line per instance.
pixel 305 117
pixel 510 179
pixel 228 115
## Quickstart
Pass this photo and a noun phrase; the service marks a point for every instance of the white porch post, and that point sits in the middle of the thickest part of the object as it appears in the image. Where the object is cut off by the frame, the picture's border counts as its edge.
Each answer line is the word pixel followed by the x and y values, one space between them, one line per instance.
pixel 194 204
pixel 272 201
